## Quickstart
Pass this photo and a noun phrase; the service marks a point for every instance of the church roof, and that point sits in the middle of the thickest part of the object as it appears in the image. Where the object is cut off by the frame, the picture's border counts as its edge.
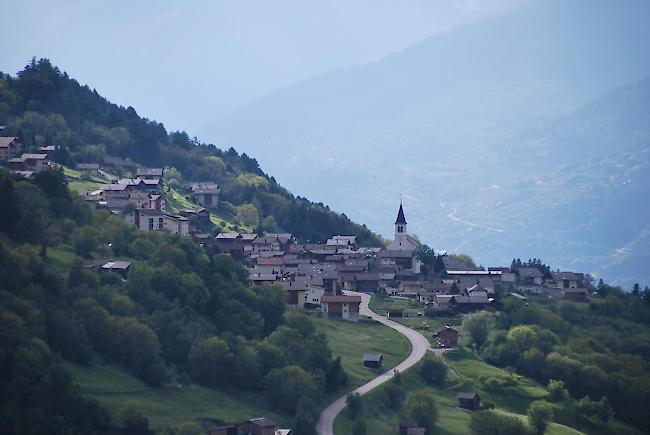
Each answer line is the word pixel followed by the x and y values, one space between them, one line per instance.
pixel 400 216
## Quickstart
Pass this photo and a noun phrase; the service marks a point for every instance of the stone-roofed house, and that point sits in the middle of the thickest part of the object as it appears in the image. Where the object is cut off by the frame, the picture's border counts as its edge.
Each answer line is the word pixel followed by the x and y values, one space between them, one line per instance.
pixel 462 302
pixel 530 276
pixel 469 400
pixel 205 193
pixel 286 240
pixel 262 244
pixel 88 168
pixel 367 282
pixel 156 201
pixel 340 307
pixel 342 241
pixel 10 147
pixel 119 267
pixel 373 360
pixel 150 173
pixel 124 167
pixel 29 162
pixel 411 427
pixel 296 291
pixel 147 219
pixel 566 280
pixel 254 426
pixel 231 243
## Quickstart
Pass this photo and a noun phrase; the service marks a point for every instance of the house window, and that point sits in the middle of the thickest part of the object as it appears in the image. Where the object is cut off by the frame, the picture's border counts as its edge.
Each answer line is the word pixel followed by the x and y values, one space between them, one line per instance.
pixel 150 224
pixel 207 199
pixel 160 223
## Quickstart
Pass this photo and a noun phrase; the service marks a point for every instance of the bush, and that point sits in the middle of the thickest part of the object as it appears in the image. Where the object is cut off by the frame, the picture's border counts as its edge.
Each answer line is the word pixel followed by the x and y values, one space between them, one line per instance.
pixel 556 391
pixel 592 408
pixel 134 423
pixel 476 327
pixel 359 427
pixel 540 413
pixel 286 386
pixel 492 423
pixel 394 394
pixel 355 405
pixel 421 407
pixel 433 371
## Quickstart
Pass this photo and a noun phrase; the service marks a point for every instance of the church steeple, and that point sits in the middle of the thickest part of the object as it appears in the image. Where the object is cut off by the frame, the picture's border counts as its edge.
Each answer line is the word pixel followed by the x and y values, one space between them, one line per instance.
pixel 400 223
pixel 400 216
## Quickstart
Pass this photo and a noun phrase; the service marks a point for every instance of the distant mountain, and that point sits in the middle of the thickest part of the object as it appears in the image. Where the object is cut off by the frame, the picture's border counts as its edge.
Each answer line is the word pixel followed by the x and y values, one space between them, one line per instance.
pixel 450 121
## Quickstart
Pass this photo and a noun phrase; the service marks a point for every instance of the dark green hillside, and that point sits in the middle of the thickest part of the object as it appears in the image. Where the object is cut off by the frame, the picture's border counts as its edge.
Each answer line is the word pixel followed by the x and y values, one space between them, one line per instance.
pixel 45 106
pixel 182 316
pixel 599 351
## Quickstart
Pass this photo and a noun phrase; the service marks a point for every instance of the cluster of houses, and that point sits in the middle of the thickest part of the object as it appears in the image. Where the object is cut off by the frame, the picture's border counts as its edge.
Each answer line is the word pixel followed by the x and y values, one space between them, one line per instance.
pixel 317 274
pixel 140 196
pixel 24 164
pixel 313 273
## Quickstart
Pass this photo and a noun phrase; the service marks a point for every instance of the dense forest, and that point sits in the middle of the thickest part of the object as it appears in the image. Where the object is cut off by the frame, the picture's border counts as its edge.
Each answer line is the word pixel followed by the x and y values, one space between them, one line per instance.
pixel 184 314
pixel 594 357
pixel 44 106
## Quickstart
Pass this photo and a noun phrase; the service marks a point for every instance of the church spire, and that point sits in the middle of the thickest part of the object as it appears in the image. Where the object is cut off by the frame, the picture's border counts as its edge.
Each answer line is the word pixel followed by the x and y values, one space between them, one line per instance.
pixel 401 220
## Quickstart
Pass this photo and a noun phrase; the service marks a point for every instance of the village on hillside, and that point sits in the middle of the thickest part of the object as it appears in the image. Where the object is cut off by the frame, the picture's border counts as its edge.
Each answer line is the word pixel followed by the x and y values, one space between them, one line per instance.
pixel 314 275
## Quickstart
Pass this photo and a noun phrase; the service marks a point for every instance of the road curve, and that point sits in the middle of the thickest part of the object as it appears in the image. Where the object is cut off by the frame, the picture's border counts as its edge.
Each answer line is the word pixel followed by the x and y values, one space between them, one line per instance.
pixel 419 347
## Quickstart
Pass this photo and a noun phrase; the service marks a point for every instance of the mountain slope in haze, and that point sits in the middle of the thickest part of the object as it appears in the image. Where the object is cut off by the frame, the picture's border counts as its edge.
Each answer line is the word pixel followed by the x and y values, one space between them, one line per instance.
pixel 439 120
pixel 573 193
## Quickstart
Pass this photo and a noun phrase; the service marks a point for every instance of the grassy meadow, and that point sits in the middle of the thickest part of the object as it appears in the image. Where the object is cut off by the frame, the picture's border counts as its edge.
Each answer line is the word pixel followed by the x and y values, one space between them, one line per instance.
pixel 467 374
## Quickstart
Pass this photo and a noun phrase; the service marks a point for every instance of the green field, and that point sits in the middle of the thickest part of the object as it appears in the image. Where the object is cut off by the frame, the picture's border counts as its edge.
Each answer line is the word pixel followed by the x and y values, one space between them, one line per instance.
pixel 78 183
pixel 169 406
pixel 350 340
pixel 464 374
pixel 451 420
pixel 380 304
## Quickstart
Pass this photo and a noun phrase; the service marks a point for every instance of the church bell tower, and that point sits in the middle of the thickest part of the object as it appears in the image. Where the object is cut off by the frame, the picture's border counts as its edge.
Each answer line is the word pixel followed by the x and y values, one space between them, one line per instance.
pixel 400 225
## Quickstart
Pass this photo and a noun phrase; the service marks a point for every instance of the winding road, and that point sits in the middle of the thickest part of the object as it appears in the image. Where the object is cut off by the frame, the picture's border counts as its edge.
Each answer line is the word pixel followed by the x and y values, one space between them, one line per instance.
pixel 419 347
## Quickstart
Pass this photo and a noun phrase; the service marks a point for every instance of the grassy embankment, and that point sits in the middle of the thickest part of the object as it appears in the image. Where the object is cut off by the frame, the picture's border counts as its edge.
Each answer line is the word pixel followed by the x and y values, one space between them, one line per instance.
pixel 171 406
pixel 351 341
pixel 78 182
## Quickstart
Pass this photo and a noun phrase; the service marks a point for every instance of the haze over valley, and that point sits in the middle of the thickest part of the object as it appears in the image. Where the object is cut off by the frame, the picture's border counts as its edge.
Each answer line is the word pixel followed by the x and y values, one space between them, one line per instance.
pixel 524 134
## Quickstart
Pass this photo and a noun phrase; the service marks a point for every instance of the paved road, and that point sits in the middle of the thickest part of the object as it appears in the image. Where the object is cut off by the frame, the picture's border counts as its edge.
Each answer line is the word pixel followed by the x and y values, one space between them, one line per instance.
pixel 419 346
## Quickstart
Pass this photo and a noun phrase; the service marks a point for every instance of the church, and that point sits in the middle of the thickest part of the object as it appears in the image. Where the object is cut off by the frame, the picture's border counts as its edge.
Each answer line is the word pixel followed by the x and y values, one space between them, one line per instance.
pixel 402 241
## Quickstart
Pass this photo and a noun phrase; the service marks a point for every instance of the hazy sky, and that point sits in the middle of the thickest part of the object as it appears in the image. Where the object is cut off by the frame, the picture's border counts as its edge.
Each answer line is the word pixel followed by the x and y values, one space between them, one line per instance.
pixel 188 63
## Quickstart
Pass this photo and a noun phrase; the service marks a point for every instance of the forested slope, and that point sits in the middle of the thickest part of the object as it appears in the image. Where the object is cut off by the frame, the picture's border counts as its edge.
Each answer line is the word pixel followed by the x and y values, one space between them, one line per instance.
pixel 42 105
pixel 184 314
